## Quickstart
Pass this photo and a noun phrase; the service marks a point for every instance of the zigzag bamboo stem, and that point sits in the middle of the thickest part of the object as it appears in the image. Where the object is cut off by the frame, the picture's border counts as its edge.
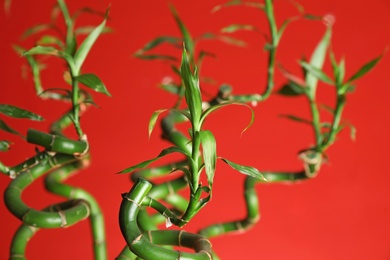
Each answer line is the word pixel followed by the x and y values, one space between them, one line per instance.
pixel 144 244
pixel 53 183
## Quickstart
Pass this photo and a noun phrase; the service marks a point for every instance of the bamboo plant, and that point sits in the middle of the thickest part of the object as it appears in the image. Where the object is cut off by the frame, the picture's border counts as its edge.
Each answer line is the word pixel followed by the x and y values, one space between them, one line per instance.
pixel 61 156
pixel 142 239
pixel 149 204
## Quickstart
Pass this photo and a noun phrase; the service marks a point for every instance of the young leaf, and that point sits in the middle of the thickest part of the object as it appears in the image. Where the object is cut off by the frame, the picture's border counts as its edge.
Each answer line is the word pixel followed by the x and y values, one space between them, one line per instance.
pixel 89 29
pixel 317 59
pixel 87 44
pixel 297 119
pixel 153 120
pixel 4 145
pixel 238 27
pixel 188 42
pixel 247 170
pixel 214 108
pixel 164 152
pixel 17 112
pixel 48 50
pixel 155 57
pixel 175 41
pixel 232 41
pixel 37 29
pixel 192 89
pixel 92 81
pixel 5 127
pixel 291 89
pixel 318 73
pixel 50 40
pixel 209 154
pixel 365 69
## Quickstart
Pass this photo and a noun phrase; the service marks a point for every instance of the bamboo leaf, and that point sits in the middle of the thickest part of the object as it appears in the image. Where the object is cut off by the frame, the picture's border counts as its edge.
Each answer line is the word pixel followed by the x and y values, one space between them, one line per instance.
pixel 175 41
pixel 209 154
pixel 45 50
pixel 17 112
pixel 4 145
pixel 232 41
pixel 89 29
pixel 247 170
pixel 238 27
pixel 6 128
pixel 318 73
pixel 155 57
pixel 49 40
pixel 192 89
pixel 37 29
pixel 87 44
pixel 284 26
pixel 297 119
pixel 214 108
pixel 188 42
pixel 163 153
pixel 317 60
pixel 153 120
pixel 92 81
pixel 365 69
pixel 291 89
pixel 171 88
pixel 237 2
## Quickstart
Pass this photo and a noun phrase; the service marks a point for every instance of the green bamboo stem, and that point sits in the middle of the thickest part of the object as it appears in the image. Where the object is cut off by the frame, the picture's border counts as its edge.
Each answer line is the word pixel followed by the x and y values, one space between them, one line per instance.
pixel 77 209
pixel 145 244
pixel 53 183
pixel 251 203
pixel 57 143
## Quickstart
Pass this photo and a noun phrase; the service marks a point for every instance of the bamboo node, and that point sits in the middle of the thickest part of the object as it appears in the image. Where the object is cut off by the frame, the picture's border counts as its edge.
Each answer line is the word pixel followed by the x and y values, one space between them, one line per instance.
pixel 179 237
pixel 132 201
pixel 207 253
pixel 63 219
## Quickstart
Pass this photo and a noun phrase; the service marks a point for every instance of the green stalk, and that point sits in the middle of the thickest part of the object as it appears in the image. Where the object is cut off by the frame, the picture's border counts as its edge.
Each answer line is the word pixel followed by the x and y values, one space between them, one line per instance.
pixel 272 52
pixel 53 183
pixel 340 103
pixel 316 122
pixel 145 244
pixel 76 209
pixel 251 203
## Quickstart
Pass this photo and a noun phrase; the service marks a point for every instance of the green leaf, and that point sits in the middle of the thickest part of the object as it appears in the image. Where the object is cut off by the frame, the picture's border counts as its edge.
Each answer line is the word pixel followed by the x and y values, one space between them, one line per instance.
pixel 317 60
pixel 175 41
pixel 171 88
pixel 192 90
pixel 6 128
pixel 318 73
pixel 153 120
pixel 155 57
pixel 291 89
pixel 49 40
pixel 214 108
pixel 209 154
pixel 87 44
pixel 365 69
pixel 284 26
pixel 238 27
pixel 237 2
pixel 17 112
pixel 164 152
pixel 89 29
pixel 4 145
pixel 297 119
pixel 48 50
pixel 37 29
pixel 188 42
pixel 92 81
pixel 247 170
pixel 232 41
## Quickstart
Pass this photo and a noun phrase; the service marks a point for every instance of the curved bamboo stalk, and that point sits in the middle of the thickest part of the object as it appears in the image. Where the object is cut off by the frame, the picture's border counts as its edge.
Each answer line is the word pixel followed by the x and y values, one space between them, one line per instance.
pixel 145 244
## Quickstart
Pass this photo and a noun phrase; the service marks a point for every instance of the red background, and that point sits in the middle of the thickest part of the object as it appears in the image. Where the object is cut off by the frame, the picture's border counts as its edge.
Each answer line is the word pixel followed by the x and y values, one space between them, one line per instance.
pixel 342 214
